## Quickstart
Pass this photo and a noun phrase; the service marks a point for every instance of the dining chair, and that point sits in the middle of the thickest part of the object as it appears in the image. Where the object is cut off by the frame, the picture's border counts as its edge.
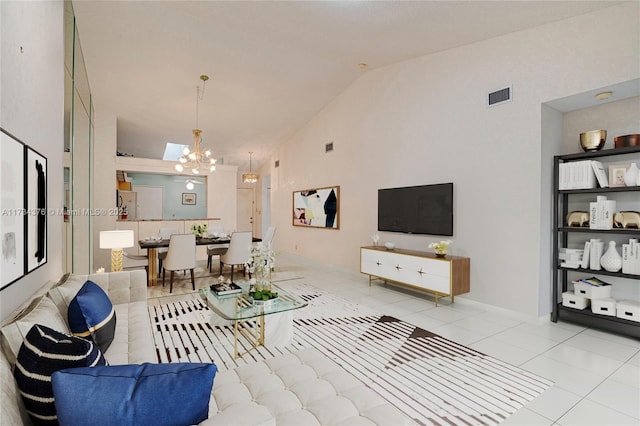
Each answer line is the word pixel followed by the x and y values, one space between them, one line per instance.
pixel 215 249
pixel 136 257
pixel 165 234
pixel 181 256
pixel 239 251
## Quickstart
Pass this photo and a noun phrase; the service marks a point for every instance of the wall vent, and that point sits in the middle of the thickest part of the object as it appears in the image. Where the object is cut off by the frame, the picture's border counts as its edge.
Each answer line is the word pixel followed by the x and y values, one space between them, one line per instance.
pixel 328 147
pixel 499 96
pixel 277 164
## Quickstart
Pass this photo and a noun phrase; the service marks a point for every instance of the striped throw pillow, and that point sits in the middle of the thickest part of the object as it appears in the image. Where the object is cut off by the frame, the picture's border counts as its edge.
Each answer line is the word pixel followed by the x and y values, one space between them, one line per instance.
pixel 43 352
pixel 91 315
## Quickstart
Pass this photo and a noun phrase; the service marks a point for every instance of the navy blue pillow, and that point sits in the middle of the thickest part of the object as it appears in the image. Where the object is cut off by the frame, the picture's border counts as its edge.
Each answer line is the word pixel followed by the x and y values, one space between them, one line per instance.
pixel 91 315
pixel 43 352
pixel 145 394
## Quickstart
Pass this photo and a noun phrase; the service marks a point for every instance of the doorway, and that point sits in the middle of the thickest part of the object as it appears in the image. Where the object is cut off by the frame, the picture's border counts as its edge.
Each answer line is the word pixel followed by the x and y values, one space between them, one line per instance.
pixel 244 215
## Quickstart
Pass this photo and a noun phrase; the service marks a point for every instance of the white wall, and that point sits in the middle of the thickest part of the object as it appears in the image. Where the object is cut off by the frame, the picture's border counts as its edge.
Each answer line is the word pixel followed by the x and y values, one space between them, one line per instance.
pixel 425 121
pixel 104 182
pixel 32 109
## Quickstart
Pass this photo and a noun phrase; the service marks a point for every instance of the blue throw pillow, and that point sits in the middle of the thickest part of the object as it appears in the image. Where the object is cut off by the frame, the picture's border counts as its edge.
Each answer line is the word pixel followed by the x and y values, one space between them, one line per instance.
pixel 43 352
pixel 91 315
pixel 145 394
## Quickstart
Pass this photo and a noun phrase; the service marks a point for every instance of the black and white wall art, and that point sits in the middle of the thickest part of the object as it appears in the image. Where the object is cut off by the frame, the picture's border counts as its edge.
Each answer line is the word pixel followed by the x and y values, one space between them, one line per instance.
pixel 12 209
pixel 36 169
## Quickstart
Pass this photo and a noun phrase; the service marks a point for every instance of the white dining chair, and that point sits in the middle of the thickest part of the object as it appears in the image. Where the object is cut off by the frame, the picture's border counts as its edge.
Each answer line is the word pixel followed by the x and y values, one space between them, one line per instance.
pixel 239 251
pixel 215 249
pixel 165 234
pixel 137 261
pixel 181 256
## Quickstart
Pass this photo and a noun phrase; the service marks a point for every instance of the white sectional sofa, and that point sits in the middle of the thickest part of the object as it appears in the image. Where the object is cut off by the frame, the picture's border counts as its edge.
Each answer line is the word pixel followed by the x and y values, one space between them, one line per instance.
pixel 304 388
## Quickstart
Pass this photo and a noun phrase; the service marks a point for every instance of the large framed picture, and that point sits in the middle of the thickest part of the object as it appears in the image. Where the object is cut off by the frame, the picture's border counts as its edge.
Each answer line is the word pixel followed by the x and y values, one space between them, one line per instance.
pixel 317 208
pixel 36 171
pixel 12 205
pixel 189 198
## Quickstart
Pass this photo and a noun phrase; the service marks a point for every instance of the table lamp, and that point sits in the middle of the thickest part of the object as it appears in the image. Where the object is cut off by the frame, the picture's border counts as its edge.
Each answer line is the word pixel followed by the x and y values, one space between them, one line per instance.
pixel 116 241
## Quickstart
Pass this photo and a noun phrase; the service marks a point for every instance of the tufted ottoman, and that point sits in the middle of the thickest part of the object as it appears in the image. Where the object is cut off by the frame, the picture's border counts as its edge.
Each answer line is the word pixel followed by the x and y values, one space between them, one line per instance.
pixel 303 388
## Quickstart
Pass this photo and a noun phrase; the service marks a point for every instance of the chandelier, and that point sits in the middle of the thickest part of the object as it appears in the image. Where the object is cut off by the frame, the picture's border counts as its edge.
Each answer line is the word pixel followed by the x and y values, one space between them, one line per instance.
pixel 198 158
pixel 249 177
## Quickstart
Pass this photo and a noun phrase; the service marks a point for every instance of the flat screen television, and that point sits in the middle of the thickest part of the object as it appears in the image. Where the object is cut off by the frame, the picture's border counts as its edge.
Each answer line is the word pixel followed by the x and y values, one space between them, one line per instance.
pixel 424 209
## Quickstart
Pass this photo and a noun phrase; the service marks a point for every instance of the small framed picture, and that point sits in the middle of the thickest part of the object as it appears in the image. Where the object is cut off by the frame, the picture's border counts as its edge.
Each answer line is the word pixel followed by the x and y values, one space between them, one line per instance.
pixel 189 198
pixel 616 174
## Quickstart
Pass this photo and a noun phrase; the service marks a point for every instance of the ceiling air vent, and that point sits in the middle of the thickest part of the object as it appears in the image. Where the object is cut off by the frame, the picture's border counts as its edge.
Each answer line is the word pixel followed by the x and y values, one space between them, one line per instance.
pixel 328 147
pixel 499 96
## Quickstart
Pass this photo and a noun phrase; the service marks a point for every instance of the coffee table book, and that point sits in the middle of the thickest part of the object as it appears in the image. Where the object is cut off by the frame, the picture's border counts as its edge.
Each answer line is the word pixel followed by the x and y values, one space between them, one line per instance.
pixel 225 288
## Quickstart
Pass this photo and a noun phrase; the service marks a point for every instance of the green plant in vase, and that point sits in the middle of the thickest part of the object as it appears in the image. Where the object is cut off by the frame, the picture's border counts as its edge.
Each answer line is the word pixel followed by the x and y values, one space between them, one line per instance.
pixel 264 295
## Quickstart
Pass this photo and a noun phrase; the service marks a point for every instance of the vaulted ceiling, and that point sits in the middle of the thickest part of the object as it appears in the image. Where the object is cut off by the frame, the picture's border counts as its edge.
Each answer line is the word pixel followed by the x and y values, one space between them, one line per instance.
pixel 272 65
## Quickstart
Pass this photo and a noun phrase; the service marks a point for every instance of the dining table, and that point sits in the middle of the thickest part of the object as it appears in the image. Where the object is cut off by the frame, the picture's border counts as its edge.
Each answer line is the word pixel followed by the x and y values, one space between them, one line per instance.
pixel 153 244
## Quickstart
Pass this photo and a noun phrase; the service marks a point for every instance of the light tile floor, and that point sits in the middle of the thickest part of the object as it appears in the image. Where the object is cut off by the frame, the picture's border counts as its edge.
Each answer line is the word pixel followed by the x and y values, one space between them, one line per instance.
pixel 596 374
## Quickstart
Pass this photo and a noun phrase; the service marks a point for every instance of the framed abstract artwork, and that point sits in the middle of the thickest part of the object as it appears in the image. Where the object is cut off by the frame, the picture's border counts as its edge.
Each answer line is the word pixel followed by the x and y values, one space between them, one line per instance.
pixel 36 171
pixel 13 207
pixel 317 208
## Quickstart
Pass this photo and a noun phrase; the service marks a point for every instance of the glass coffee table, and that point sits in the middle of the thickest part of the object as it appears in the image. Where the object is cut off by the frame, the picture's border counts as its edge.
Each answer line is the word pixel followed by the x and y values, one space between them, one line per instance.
pixel 240 309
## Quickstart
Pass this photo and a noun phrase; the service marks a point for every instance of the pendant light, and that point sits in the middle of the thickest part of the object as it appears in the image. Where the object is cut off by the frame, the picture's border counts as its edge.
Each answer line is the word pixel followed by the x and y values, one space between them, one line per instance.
pixel 249 177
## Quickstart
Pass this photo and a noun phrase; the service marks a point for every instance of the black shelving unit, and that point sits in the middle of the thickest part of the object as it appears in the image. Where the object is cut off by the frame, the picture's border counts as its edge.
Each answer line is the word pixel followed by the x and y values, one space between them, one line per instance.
pixel 560 239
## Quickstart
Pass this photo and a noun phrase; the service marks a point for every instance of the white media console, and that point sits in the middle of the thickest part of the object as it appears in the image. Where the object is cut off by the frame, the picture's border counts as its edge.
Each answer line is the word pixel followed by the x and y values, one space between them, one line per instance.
pixel 443 276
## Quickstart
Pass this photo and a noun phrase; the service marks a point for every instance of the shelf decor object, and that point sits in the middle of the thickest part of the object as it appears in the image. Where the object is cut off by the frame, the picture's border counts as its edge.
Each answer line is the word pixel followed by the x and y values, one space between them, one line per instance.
pixel 593 140
pixel 611 260
pixel 567 306
pixel 441 247
pixel 631 175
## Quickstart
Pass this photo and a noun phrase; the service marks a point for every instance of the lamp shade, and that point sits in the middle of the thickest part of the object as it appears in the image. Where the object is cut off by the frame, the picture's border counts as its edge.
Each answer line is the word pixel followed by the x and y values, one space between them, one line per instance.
pixel 116 239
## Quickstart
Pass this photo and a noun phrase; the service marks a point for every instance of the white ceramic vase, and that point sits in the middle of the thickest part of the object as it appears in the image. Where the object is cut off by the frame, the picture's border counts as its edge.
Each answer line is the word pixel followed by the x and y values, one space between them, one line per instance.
pixel 611 261
pixel 631 175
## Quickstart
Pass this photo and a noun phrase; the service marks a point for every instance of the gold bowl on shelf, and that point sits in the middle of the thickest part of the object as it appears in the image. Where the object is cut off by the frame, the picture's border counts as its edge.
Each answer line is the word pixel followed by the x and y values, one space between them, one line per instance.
pixel 593 140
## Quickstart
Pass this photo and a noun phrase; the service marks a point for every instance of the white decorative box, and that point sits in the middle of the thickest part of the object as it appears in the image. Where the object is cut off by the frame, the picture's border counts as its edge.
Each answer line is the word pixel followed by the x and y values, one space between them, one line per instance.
pixel 572 300
pixel 604 307
pixel 592 291
pixel 628 309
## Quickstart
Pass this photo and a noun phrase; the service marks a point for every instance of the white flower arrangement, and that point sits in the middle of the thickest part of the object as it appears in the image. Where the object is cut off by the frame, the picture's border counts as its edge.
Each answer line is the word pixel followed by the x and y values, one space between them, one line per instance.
pixel 199 229
pixel 261 262
pixel 441 247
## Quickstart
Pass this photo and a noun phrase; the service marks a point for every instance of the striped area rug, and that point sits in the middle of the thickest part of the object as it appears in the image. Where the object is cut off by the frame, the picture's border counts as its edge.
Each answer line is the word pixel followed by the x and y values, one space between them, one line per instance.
pixel 431 379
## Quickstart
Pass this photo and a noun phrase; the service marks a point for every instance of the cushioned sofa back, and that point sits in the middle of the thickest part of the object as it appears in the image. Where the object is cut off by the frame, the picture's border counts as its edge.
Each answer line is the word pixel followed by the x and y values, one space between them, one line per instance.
pixel 121 287
pixel 12 411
